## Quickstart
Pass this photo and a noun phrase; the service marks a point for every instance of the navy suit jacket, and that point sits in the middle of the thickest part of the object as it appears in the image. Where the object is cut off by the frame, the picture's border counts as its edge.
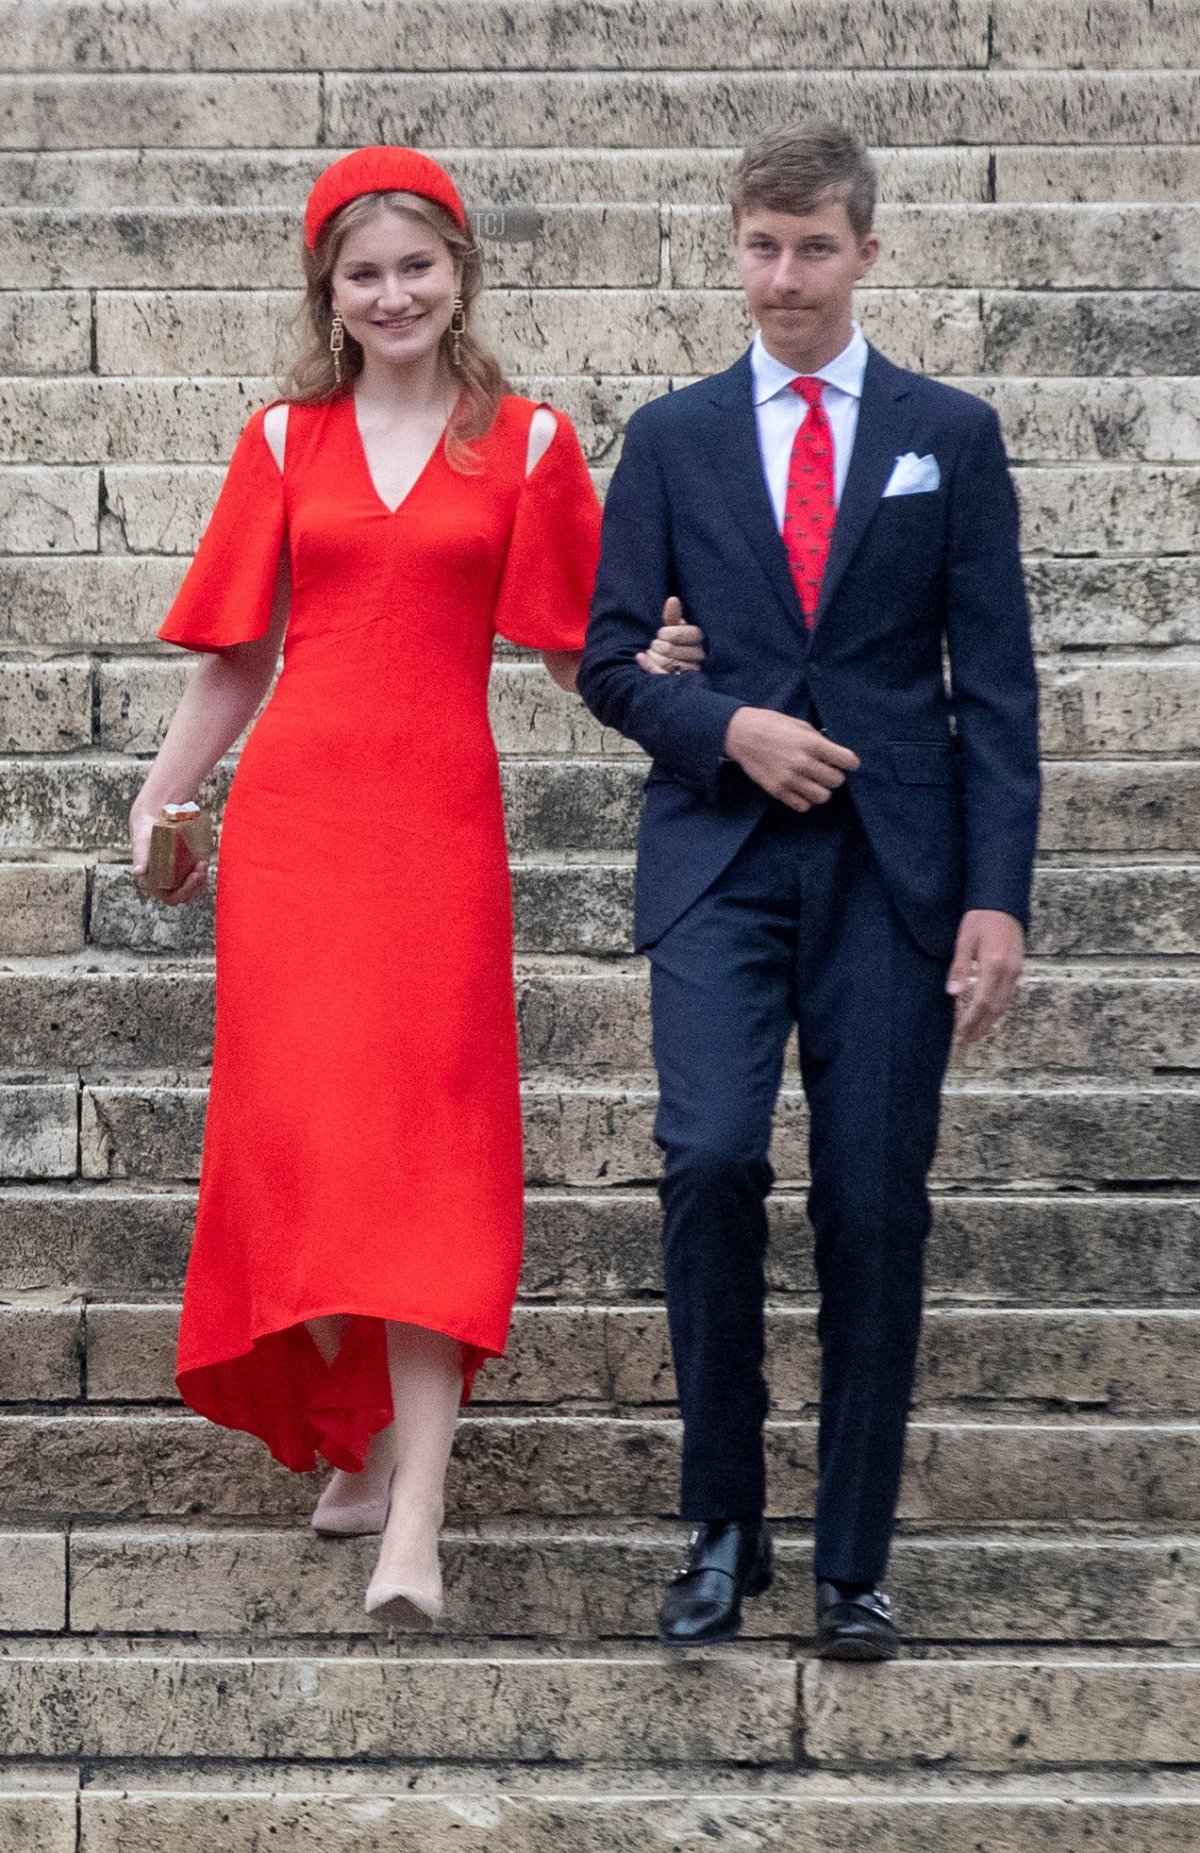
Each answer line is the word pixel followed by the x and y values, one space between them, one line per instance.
pixel 921 659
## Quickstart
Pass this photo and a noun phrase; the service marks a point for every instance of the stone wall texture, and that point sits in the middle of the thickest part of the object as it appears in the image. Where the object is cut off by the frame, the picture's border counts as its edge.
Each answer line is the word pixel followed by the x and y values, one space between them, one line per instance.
pixel 182 1664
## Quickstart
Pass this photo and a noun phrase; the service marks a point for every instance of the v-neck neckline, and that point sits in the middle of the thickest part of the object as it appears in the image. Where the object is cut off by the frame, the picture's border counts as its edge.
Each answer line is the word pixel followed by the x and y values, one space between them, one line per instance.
pixel 365 462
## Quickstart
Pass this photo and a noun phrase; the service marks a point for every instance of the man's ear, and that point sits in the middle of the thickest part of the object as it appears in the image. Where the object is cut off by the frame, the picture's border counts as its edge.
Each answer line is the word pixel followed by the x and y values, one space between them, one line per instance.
pixel 868 252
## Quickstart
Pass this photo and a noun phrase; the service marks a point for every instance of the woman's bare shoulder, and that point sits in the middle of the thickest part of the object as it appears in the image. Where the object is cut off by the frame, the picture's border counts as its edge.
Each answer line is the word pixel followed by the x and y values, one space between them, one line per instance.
pixel 275 424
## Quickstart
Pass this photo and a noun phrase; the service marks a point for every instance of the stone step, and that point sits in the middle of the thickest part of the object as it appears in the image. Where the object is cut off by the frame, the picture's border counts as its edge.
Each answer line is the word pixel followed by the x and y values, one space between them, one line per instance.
pixel 116 602
pixel 1081 174
pixel 117 1241
pixel 140 421
pixel 358 35
pixel 556 333
pixel 1144 1362
pixel 635 1707
pixel 158 179
pixel 596 1584
pixel 713 108
pixel 1132 909
pixel 1097 706
pixel 131 1465
pixel 556 806
pixel 941 1816
pixel 1028 34
pixel 1066 511
pixel 1078 1133
pixel 108 1015
pixel 1144 246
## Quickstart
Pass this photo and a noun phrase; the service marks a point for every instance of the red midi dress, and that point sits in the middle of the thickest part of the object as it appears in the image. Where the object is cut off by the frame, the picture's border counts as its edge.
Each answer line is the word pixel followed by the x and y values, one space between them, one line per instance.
pixel 362 1149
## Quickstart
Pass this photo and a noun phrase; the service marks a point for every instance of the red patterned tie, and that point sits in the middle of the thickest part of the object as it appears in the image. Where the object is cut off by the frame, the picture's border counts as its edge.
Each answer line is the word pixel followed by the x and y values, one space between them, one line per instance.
pixel 809 511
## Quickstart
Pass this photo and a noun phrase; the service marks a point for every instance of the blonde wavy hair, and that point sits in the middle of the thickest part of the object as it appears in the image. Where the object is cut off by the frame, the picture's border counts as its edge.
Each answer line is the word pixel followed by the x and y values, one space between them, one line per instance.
pixel 312 381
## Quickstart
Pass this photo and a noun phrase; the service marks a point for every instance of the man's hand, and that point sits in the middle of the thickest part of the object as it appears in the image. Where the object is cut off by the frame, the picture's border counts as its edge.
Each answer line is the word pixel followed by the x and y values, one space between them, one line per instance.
pixel 676 648
pixel 789 759
pixel 986 971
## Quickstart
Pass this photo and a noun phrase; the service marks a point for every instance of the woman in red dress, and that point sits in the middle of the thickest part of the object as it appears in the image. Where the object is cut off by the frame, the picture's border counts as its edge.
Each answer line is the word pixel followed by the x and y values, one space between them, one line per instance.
pixel 358 1234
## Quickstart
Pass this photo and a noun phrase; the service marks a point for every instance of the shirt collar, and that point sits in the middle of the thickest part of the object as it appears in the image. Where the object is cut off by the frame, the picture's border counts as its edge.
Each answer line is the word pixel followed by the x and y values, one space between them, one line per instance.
pixel 845 371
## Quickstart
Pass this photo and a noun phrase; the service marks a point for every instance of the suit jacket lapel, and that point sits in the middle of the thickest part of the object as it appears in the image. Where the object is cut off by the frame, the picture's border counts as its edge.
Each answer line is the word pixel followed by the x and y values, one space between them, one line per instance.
pixel 733 443
pixel 879 439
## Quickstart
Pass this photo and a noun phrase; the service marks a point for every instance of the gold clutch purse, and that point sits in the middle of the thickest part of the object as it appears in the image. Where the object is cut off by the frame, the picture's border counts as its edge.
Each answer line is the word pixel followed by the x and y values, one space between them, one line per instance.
pixel 181 837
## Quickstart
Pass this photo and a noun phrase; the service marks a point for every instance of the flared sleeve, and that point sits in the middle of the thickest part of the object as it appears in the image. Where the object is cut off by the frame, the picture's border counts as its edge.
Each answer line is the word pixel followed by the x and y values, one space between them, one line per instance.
pixel 229 590
pixel 553 551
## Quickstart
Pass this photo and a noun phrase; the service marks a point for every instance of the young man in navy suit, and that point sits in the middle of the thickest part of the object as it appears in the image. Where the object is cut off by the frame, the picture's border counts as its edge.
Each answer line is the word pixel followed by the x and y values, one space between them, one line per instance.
pixel 836 835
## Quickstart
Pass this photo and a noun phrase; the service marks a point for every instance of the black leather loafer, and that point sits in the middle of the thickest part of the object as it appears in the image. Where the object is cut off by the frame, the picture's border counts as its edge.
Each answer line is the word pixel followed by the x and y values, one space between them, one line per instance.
pixel 703 1604
pixel 855 1627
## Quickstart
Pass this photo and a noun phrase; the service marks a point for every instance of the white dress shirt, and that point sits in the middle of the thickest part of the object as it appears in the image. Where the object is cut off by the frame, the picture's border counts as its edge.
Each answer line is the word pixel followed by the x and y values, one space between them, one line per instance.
pixel 779 412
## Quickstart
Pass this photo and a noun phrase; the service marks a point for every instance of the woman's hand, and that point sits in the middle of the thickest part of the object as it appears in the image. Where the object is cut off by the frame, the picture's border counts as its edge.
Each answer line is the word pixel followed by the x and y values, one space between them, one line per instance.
pixel 141 823
pixel 677 648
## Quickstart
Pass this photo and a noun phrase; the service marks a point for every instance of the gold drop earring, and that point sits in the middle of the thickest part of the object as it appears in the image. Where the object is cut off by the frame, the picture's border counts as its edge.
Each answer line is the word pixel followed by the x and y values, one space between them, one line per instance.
pixel 337 341
pixel 458 328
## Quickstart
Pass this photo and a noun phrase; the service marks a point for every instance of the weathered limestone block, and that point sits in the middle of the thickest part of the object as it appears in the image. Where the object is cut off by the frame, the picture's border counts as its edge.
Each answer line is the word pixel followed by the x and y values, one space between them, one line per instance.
pixel 94 1241
pixel 49 511
pixel 41 1356
pixel 131 1466
pixel 1068 421
pixel 1003 247
pixel 33 1822
pixel 45 331
pixel 641 1710
pixel 119 918
pixel 127 420
pixel 135 1822
pixel 41 908
pixel 1115 706
pixel 1097 174
pixel 142 1132
pixel 236 35
pixel 1080 332
pixel 1122 806
pixel 1110 508
pixel 243 332
pixel 1095 604
pixel 45 707
pixel 886 107
pixel 38 1135
pixel 1006 1714
pixel 1125 33
pixel 80 602
pixel 33 1596
pixel 1143 908
pixel 605 1583
pixel 106 1019
pixel 136 697
pixel 77 803
pixel 560 907
pixel 155 111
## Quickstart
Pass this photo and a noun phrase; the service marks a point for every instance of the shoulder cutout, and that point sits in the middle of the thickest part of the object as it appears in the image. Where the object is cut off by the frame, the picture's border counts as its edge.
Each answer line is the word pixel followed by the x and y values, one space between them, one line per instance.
pixel 275 423
pixel 542 427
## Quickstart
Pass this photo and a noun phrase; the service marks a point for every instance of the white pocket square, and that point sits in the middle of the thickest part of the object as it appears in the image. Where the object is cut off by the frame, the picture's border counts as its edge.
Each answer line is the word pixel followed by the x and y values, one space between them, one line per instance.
pixel 913 475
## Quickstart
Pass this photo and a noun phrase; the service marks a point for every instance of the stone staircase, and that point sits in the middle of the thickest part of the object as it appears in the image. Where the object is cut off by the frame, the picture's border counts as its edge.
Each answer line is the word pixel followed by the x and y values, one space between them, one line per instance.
pixel 182 1664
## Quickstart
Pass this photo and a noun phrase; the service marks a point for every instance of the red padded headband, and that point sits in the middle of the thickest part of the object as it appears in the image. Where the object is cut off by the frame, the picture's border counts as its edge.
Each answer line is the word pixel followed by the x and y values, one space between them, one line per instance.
pixel 378 170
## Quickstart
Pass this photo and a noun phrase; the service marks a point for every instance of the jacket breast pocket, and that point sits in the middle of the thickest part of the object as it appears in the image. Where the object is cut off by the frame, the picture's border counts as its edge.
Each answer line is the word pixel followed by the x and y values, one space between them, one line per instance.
pixel 924 762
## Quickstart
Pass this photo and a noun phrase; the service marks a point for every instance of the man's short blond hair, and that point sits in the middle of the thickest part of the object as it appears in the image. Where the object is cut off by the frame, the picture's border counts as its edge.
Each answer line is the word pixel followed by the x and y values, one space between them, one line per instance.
pixel 800 166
